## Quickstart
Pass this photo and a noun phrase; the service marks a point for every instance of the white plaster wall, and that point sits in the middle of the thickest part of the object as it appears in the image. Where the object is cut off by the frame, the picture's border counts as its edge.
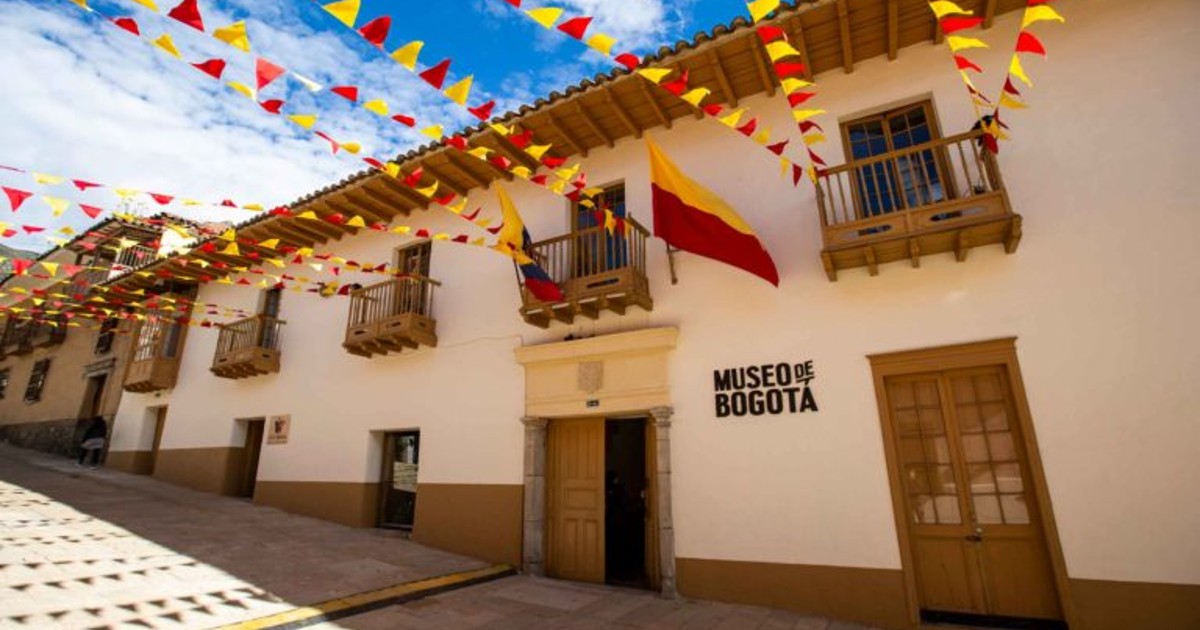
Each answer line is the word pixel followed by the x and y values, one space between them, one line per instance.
pixel 1101 295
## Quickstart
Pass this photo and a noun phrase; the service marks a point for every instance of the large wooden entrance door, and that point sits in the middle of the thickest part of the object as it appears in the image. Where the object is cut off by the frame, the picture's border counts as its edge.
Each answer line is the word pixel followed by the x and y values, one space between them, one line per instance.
pixel 974 526
pixel 575 500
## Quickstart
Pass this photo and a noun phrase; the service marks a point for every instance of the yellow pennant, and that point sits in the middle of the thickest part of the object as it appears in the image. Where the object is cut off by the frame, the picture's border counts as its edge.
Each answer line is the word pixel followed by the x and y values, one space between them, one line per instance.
pixel 558 187
pixel 401 229
pixel 441 236
pixel 538 150
pixel 304 120
pixel 1016 70
pixel 760 9
pixel 587 203
pixel 52 268
pixel 567 173
pixel 434 132
pixel 785 166
pixel 378 107
pixel 49 180
pixel 602 43
pixel 1010 102
pixel 65 230
pixel 696 96
pixel 655 75
pixel 234 35
pixel 167 44
pixel 345 11
pixel 243 89
pixel 351 147
pixel 356 221
pixel 82 4
pixel 812 139
pixel 522 171
pixel 149 4
pixel 763 137
pixel 253 207
pixel 308 214
pixel 732 119
pixel 942 8
pixel 592 192
pixel 546 16
pixel 225 280
pixel 1040 13
pixel 458 206
pixel 192 202
pixel 459 92
pixel 964 43
pixel 57 205
pixel 406 55
pixel 430 191
pixel 479 152
pixel 792 85
pixel 231 250
pixel 126 193
pixel 804 114
pixel 478 242
pixel 780 49
pixel 501 129
pixel 392 169
pixel 228 235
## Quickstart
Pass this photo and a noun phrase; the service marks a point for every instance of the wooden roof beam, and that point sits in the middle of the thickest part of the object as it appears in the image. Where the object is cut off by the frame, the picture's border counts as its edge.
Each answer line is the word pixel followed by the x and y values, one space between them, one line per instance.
pixel 406 192
pixel 893 29
pixel 989 13
pixel 658 110
pixel 576 145
pixel 386 201
pixel 760 64
pixel 293 231
pixel 621 113
pixel 443 181
pixel 800 43
pixel 727 93
pixel 369 212
pixel 462 159
pixel 843 12
pixel 510 150
pixel 476 181
pixel 591 123
pixel 322 227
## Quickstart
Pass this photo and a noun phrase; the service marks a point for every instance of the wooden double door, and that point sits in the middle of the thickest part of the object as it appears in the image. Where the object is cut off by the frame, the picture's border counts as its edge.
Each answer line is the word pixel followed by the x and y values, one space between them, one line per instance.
pixel 601 525
pixel 977 543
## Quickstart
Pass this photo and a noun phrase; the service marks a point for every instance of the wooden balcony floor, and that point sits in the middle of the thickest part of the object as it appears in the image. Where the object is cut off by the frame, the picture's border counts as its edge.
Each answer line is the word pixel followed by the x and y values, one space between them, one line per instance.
pixel 395 334
pixel 589 296
pixel 246 363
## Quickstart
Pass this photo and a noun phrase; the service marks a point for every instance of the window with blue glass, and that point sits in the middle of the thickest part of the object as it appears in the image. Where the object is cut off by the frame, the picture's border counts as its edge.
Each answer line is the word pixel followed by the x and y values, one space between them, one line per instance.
pixel 895 174
pixel 600 243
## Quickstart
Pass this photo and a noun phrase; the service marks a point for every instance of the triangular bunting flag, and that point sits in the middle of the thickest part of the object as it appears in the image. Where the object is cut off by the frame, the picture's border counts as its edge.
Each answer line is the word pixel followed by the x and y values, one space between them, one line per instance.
pixel 436 75
pixel 234 35
pixel 345 11
pixel 376 31
pixel 265 72
pixel 188 13
pixel 407 54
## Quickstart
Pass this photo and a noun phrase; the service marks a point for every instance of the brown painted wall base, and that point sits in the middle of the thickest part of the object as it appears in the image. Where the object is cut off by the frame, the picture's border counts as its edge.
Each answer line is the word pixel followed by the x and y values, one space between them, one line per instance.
pixel 872 596
pixel 482 521
pixel 136 462
pixel 350 504
pixel 214 470
pixel 1105 605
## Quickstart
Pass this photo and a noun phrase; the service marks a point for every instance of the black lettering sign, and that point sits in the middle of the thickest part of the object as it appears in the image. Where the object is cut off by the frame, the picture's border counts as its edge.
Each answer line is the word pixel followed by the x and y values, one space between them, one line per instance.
pixel 764 389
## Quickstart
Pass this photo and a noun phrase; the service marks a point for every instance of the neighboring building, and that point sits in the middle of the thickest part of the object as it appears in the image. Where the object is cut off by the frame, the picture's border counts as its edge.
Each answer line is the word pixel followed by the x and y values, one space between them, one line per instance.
pixel 970 394
pixel 55 376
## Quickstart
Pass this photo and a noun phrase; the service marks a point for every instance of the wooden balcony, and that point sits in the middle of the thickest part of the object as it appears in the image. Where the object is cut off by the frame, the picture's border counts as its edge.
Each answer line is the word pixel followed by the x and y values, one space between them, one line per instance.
pixel 942 196
pixel 596 271
pixel 392 316
pixel 44 334
pixel 247 348
pixel 154 363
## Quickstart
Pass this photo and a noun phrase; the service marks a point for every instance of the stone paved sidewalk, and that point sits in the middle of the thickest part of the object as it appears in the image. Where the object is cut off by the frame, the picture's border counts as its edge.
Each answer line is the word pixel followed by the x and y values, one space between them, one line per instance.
pixel 103 549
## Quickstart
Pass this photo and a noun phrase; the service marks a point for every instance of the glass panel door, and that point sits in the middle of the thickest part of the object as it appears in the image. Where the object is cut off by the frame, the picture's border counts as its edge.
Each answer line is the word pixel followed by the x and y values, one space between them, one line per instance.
pixel 399 491
pixel 900 182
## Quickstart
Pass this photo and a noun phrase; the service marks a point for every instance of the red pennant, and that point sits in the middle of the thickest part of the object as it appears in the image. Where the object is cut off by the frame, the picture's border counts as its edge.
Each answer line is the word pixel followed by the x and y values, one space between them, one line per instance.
pixel 213 68
pixel 161 199
pixel 501 162
pixel 1010 88
pixel 955 23
pixel 515 3
pixel 16 197
pixel 797 175
pixel 32 229
pixel 769 34
pixel 538 179
pixel 629 60
pixel 266 72
pixel 273 105
pixel 462 238
pixel 414 178
pixel 678 86
pixel 128 24
pixel 458 142
pixel 521 140
pixel 281 211
pixel 228 203
pixel 713 109
pixel 376 31
pixel 20 266
pixel 816 158
pixel 787 69
pixel 778 147
pixel 422 233
pixel 446 200
pixel 348 92
pixel 336 218
pixel 436 75
pixel 575 27
pixel 966 64
pixel 749 127
pixel 1029 43
pixel 483 112
pixel 473 215
pixel 808 125
pixel 373 163
pixel 795 99
pixel 405 120
pixel 495 230
pixel 553 162
pixel 334 146
pixel 188 13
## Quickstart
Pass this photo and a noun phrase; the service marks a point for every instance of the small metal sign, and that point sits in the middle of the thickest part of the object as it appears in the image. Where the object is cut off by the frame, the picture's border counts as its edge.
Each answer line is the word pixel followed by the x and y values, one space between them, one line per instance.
pixel 278 428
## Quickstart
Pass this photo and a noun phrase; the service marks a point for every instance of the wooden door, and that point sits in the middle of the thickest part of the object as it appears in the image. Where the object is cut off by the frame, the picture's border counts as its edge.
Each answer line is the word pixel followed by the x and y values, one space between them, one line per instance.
pixel 653 574
pixel 253 448
pixel 575 500
pixel 160 421
pixel 977 540
pixel 398 482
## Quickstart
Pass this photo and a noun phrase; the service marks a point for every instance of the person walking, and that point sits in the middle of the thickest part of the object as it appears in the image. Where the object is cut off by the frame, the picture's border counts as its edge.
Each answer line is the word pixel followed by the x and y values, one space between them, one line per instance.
pixel 93 441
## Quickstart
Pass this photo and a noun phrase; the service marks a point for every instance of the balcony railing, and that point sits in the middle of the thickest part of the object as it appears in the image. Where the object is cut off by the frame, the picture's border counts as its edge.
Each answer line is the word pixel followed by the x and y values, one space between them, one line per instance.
pixel 392 316
pixel 943 196
pixel 596 271
pixel 249 347
pixel 157 348
pixel 135 256
pixel 18 337
pixel 48 332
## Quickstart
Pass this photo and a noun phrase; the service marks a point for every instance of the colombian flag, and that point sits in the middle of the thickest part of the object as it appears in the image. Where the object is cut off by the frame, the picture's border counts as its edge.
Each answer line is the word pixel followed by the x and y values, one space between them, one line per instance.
pixel 692 218
pixel 514 241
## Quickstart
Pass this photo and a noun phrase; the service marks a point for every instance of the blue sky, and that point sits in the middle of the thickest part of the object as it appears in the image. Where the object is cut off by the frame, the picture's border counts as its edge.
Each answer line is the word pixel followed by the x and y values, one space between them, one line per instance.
pixel 86 100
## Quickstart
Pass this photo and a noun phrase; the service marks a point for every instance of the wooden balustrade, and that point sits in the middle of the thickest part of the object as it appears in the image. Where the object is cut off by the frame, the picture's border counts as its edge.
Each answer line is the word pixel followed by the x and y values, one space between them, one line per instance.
pixel 48 332
pixel 596 271
pixel 135 256
pixel 942 196
pixel 391 316
pixel 248 347
pixel 155 354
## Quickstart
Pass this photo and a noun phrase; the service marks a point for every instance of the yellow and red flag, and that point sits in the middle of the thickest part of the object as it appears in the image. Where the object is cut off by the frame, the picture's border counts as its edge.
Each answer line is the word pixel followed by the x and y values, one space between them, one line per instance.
pixel 694 219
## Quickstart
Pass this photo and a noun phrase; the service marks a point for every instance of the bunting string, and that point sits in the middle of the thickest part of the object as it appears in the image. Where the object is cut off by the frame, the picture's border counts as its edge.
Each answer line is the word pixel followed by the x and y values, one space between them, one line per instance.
pixel 1028 44
pixel 954 21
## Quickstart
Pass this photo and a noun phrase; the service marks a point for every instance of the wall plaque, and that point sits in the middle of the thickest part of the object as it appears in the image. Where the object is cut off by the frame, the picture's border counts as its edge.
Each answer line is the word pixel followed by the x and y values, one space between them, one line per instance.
pixel 768 389
pixel 278 428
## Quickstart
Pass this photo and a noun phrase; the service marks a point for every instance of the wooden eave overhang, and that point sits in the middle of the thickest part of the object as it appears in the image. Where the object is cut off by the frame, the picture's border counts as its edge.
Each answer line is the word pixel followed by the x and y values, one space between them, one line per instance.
pixel 597 112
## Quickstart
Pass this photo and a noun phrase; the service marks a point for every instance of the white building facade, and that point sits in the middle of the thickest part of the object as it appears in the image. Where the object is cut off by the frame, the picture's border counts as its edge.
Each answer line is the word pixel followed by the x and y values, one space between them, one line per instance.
pixel 1055 377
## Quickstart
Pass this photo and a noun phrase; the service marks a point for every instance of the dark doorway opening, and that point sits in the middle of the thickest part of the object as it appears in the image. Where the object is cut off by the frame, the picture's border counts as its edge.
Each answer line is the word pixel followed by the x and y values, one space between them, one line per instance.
pixel 398 494
pixel 625 503
pixel 253 449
